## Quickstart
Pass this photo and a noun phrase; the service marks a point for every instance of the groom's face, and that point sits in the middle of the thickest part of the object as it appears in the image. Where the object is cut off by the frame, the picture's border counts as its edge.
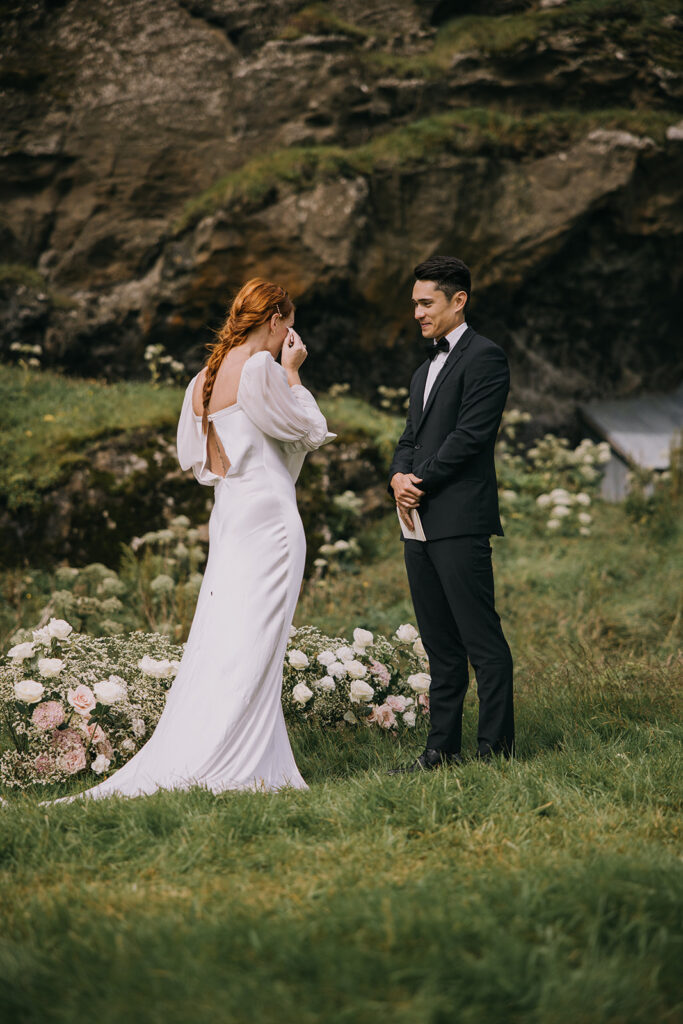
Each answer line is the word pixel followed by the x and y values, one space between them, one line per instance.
pixel 435 313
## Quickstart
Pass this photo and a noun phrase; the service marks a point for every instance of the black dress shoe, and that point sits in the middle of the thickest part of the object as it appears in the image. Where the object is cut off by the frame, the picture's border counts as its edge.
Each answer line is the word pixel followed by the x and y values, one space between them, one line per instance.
pixel 427 761
pixel 492 754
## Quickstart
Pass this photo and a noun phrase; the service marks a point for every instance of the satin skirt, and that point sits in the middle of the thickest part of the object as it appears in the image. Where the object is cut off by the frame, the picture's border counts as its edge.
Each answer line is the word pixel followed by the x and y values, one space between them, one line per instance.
pixel 222 726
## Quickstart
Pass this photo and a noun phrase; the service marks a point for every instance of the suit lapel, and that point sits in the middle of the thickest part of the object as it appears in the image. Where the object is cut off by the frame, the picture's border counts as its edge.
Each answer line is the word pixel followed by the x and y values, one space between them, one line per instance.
pixel 418 391
pixel 453 356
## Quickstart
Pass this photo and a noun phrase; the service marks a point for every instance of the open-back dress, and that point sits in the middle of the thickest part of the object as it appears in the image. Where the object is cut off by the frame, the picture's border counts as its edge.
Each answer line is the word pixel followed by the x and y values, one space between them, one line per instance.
pixel 222 726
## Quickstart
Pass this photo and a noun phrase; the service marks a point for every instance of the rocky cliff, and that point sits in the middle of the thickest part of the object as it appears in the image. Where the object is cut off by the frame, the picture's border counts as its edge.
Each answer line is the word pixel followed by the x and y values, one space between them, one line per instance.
pixel 157 153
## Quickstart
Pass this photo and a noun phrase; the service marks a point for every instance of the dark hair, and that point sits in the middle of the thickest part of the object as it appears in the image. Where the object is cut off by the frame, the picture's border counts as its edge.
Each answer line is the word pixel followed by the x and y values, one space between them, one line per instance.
pixel 448 273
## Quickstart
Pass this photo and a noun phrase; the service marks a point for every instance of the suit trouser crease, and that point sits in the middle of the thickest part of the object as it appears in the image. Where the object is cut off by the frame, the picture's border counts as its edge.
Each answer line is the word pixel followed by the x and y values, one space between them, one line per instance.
pixel 451 585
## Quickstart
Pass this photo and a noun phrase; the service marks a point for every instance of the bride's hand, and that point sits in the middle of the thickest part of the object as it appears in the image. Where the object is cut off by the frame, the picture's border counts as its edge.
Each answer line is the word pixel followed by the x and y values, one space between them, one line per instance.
pixel 293 351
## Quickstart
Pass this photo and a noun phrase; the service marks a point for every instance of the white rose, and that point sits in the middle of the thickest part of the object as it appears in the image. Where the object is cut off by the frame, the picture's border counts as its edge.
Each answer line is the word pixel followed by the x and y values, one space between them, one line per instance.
pixel 560 511
pixel 326 657
pixel 100 764
pixel 406 633
pixel 585 518
pixel 29 691
pixel 362 638
pixel 336 669
pixel 49 667
pixel 157 669
pixel 419 648
pixel 292 631
pixel 301 693
pixel 325 683
pixel 21 651
pixel 138 726
pixel 59 628
pixel 543 500
pixel 128 745
pixel 419 682
pixel 109 691
pixel 360 691
pixel 583 498
pixel 553 524
pixel 350 718
pixel 42 637
pixel 345 654
pixel 356 669
pixel 297 659
pixel 409 718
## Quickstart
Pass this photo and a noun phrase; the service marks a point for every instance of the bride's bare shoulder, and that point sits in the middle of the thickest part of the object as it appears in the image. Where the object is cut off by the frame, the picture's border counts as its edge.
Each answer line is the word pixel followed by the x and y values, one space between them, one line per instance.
pixel 197 402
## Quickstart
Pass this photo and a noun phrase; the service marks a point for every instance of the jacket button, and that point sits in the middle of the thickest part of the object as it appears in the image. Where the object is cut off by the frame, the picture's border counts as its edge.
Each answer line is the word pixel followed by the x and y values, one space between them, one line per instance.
pixel 417 446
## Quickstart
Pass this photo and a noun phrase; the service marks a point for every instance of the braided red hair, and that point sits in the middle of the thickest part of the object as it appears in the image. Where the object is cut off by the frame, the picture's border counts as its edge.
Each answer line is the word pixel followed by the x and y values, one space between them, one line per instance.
pixel 252 307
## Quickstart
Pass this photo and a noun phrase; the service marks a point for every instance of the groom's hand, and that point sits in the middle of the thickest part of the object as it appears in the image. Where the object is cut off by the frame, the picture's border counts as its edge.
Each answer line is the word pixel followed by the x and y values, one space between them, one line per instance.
pixel 406 491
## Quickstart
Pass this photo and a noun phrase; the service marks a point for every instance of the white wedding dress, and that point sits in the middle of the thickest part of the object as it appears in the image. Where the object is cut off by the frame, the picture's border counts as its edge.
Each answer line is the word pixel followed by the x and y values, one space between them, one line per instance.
pixel 223 726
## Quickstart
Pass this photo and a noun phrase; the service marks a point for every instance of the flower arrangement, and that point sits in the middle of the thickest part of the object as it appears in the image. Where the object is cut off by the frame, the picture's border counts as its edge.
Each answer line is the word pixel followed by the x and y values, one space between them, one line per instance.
pixel 71 704
pixel 373 679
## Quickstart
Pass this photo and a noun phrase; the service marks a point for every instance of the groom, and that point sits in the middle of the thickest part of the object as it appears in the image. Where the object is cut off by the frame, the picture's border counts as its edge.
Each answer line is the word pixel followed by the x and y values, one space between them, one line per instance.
pixel 443 466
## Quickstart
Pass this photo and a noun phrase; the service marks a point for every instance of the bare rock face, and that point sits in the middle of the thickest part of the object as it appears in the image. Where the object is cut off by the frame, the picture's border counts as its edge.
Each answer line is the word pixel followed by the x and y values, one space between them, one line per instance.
pixel 156 154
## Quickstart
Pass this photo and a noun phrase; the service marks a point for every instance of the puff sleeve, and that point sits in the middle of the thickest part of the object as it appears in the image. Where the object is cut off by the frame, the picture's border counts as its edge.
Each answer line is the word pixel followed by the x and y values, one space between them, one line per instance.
pixel 191 442
pixel 288 414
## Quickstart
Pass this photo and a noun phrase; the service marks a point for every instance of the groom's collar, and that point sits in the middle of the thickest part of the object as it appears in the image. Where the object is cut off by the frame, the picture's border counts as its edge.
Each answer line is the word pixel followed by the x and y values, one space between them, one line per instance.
pixel 456 334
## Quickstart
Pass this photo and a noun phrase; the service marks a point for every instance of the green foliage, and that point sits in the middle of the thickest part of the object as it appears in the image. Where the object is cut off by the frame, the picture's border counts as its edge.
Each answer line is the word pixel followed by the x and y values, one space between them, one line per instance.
pixel 467 129
pixel 625 23
pixel 21 273
pixel 317 19
pixel 50 419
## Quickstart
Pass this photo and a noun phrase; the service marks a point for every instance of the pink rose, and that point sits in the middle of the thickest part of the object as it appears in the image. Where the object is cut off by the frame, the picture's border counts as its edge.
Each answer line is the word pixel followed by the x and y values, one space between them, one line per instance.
pixel 423 701
pixel 99 739
pixel 383 715
pixel 48 715
pixel 72 760
pixel 380 671
pixel 82 699
pixel 43 764
pixel 397 703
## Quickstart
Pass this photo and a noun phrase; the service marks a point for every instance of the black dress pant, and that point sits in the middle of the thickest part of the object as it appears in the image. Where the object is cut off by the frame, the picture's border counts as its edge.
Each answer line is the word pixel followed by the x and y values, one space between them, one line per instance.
pixel 451 584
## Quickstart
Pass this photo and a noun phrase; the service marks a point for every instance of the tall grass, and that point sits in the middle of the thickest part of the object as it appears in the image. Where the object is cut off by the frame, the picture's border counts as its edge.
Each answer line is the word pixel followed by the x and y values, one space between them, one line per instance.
pixel 547 889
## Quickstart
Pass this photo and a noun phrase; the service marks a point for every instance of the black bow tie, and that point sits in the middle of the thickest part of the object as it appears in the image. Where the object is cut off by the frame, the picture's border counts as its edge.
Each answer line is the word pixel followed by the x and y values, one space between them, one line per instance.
pixel 437 346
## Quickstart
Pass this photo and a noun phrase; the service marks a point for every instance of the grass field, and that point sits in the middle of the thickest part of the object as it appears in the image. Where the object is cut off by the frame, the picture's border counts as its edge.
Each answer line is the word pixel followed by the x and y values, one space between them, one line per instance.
pixel 548 889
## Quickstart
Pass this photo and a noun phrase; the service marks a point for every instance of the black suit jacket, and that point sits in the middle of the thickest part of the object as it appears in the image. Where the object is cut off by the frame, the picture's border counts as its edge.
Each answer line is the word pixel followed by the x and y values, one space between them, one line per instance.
pixel 451 443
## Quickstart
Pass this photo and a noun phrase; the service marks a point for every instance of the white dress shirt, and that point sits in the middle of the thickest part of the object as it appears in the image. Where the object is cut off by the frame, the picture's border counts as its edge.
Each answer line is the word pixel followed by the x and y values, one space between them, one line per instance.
pixel 440 358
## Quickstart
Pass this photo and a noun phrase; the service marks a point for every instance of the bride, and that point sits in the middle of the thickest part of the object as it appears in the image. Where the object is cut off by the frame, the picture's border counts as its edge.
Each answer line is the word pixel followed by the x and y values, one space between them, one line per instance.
pixel 245 427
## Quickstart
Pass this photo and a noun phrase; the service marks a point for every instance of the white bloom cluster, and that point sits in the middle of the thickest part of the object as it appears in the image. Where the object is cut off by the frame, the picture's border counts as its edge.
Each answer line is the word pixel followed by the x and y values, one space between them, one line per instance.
pixel 563 505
